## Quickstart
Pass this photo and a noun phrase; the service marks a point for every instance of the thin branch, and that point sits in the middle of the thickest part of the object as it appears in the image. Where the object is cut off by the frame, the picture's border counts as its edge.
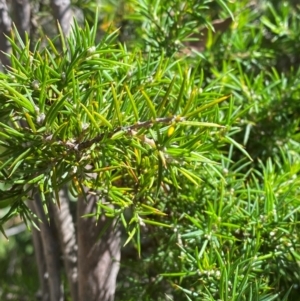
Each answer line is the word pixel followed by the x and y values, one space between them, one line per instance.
pixel 128 129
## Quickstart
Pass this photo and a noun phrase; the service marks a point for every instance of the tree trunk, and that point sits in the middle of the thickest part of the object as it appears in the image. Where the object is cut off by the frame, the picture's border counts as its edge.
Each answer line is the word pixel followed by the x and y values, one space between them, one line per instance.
pixel 62 13
pixel 22 12
pixel 5 27
pixel 98 253
pixel 43 292
pixel 67 240
pixel 51 251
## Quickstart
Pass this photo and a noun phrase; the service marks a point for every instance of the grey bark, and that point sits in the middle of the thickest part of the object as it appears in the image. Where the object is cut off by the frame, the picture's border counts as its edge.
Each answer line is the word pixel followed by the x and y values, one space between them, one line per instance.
pixel 5 27
pixel 98 256
pixel 51 252
pixel 62 12
pixel 22 13
pixel 67 240
pixel 43 293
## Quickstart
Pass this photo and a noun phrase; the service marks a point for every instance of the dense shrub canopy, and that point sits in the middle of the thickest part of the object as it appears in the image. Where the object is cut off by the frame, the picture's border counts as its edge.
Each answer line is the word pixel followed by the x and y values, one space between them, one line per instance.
pixel 189 113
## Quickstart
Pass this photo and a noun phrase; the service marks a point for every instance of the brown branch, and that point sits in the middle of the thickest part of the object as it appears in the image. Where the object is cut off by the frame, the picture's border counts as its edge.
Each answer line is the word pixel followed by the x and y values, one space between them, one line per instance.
pixel 200 39
pixel 128 129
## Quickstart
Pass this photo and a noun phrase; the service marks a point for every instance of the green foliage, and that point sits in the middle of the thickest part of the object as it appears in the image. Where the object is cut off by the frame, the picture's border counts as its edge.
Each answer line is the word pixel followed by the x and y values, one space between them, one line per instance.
pixel 199 154
pixel 238 237
pixel 135 121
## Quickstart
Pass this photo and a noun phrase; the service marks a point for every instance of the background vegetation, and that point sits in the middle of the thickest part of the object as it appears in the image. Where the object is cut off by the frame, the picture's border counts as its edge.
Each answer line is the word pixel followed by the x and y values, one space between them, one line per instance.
pixel 233 227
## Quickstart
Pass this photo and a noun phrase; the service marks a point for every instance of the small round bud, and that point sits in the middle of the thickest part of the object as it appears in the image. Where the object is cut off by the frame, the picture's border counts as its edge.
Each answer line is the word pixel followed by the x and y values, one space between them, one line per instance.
pixel 91 50
pixel 35 85
pixel 40 118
